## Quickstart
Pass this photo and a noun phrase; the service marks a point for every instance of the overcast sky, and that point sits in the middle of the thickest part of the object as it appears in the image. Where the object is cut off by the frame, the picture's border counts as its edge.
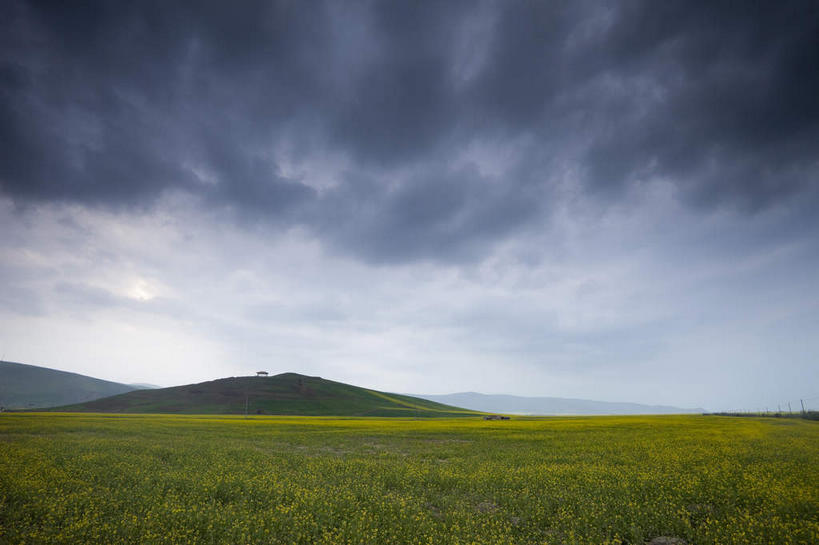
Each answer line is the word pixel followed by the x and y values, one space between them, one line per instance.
pixel 606 200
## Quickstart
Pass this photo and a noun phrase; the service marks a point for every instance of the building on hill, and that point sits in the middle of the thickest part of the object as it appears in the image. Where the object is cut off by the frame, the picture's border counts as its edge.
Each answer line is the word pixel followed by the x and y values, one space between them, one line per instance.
pixel 261 373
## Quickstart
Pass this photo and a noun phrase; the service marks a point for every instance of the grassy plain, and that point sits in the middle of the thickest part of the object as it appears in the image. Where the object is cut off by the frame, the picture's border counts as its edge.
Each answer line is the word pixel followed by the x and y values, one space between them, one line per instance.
pixel 81 478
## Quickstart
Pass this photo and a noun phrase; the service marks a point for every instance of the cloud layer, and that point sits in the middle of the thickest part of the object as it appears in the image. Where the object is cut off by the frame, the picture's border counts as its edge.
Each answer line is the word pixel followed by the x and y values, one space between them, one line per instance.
pixel 402 132
pixel 590 193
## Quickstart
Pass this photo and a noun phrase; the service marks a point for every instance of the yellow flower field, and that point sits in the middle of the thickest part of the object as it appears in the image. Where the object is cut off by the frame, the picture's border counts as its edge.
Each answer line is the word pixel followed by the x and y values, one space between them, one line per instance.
pixel 588 480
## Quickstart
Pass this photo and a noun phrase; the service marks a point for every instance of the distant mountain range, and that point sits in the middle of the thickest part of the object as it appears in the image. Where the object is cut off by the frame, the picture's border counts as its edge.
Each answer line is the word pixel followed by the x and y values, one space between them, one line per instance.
pixel 28 386
pixel 509 404
pixel 144 386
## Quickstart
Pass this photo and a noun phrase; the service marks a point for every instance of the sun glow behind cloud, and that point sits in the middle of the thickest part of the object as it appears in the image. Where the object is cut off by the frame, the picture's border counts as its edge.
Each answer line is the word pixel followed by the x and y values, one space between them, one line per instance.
pixel 141 290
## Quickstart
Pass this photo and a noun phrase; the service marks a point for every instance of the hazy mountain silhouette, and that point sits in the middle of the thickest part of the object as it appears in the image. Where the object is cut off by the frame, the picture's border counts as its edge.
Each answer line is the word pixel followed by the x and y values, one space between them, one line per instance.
pixel 511 404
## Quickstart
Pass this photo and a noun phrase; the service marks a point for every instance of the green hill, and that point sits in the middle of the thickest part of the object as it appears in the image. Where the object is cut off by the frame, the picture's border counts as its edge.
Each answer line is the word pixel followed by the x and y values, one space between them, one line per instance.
pixel 285 394
pixel 26 386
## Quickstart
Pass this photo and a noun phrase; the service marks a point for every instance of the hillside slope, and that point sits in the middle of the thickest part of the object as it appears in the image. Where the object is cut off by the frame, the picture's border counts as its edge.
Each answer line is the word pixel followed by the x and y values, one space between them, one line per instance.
pixel 285 394
pixel 26 386
pixel 509 404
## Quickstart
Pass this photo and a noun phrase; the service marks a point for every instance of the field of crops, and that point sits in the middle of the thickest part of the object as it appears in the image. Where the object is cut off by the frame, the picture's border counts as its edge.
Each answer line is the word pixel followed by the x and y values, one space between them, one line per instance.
pixel 188 479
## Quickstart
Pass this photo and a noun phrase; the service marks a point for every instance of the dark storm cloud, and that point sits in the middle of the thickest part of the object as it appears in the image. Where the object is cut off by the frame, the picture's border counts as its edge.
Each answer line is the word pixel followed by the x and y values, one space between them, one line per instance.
pixel 436 212
pixel 735 118
pixel 116 104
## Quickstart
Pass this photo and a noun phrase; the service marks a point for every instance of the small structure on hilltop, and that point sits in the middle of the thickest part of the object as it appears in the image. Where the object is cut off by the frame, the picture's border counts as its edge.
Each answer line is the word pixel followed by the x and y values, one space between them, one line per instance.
pixel 261 373
pixel 495 417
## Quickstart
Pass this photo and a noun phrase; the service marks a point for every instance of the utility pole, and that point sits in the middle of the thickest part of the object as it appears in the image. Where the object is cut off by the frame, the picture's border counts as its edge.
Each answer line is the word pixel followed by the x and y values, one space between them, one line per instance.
pixel 803 406
pixel 789 408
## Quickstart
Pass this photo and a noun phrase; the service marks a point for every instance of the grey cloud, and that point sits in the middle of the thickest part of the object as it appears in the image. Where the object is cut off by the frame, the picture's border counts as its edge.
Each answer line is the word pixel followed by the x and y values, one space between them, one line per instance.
pixel 21 300
pixel 732 119
pixel 437 212
pixel 115 105
pixel 83 295
pixel 291 313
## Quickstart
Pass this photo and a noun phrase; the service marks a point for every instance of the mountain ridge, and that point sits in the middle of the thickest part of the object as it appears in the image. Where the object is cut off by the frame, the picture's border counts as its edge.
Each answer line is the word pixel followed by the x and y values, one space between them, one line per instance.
pixel 549 406
pixel 24 386
pixel 27 386
pixel 283 394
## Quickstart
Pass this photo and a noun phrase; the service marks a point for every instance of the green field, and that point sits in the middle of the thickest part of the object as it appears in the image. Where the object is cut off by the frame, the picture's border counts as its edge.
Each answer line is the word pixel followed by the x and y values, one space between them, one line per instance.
pixel 81 478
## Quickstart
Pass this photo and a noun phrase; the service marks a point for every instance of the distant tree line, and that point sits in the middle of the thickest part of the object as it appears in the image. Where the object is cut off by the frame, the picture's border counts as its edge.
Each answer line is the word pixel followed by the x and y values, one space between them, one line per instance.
pixel 808 415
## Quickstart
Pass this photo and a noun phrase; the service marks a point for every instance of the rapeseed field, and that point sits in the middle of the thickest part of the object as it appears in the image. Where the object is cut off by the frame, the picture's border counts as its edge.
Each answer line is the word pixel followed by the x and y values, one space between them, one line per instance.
pixel 69 478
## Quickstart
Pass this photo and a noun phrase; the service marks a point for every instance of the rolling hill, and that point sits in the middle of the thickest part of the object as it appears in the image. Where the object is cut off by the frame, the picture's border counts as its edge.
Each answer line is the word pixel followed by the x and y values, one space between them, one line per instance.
pixel 509 404
pixel 284 394
pixel 26 386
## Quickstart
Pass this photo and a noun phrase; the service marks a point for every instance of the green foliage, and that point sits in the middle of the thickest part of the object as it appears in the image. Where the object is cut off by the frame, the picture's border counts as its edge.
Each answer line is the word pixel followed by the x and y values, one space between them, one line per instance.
pixel 285 394
pixel 808 415
pixel 594 480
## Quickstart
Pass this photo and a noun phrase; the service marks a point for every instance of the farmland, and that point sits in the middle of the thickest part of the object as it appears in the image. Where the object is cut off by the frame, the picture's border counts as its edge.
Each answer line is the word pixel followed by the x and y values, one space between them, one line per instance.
pixel 86 478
